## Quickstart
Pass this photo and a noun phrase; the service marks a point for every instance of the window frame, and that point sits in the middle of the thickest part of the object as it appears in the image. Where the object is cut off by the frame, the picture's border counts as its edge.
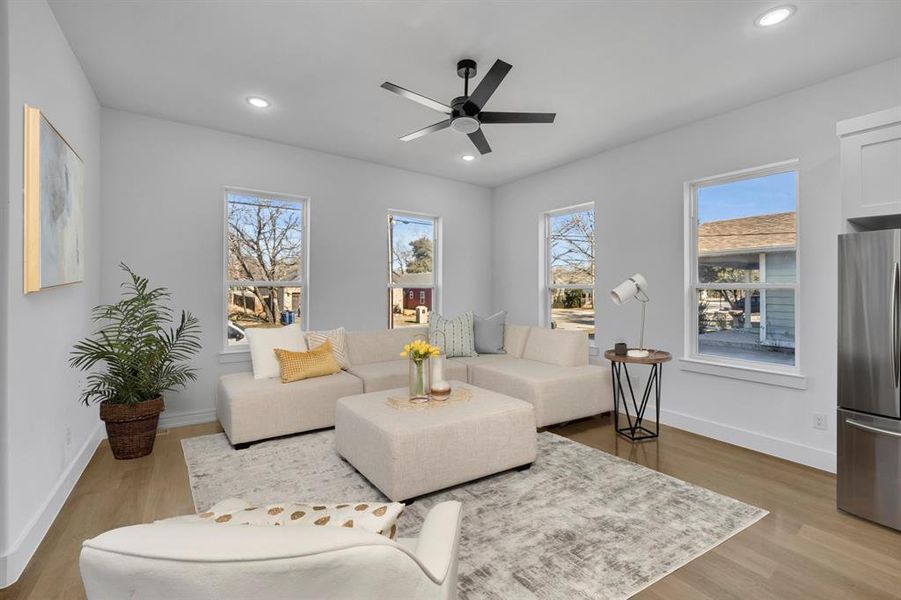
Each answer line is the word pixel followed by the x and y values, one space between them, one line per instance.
pixel 692 358
pixel 546 285
pixel 302 283
pixel 436 259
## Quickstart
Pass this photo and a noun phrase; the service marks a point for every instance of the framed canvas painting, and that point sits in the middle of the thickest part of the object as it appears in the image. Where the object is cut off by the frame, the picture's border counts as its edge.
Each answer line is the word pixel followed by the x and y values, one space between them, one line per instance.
pixel 54 205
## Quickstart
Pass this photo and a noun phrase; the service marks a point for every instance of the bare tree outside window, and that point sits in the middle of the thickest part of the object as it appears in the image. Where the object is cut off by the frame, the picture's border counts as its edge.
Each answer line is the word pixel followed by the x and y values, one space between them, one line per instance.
pixel 570 252
pixel 265 248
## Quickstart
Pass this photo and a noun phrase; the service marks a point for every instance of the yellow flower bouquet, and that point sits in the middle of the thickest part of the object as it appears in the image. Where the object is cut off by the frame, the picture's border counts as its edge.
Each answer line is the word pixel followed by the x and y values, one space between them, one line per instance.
pixel 419 351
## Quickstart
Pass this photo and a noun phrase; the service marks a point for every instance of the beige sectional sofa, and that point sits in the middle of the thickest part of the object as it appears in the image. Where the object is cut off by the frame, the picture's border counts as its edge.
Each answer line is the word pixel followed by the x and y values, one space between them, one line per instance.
pixel 548 368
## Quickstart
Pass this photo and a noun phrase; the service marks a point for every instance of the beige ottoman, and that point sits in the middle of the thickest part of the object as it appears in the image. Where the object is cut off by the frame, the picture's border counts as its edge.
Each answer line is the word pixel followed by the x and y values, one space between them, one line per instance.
pixel 411 452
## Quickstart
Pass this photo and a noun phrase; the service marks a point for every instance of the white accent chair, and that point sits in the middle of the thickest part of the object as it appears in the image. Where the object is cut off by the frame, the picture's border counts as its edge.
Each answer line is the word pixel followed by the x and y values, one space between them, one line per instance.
pixel 198 561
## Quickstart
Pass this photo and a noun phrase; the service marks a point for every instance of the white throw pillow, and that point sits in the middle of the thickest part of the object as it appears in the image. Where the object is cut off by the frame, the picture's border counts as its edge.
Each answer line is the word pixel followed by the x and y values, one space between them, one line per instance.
pixel 264 340
pixel 338 338
pixel 377 517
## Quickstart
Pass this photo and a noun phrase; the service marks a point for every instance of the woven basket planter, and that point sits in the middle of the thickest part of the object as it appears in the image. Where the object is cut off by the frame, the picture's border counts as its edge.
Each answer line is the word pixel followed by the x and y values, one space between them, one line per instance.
pixel 132 429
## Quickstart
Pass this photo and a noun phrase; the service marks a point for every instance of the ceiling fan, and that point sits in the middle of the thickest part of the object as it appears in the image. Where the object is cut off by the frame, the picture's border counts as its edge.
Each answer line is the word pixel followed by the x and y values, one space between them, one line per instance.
pixel 465 114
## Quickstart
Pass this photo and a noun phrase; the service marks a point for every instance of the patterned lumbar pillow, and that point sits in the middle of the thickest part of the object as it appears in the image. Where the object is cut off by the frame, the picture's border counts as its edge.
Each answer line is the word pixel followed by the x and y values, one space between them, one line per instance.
pixel 338 338
pixel 377 517
pixel 303 365
pixel 454 336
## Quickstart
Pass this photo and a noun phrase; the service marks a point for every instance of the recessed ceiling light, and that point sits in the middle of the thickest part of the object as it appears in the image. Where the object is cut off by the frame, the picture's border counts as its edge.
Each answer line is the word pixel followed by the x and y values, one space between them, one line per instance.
pixel 774 16
pixel 468 157
pixel 258 102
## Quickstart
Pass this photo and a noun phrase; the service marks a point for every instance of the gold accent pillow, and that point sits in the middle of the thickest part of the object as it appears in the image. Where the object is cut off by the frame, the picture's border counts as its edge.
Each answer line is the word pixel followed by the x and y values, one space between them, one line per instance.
pixel 376 517
pixel 303 365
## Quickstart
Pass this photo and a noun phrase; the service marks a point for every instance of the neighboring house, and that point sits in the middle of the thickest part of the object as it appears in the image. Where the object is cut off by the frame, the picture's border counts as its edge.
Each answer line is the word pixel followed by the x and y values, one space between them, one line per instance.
pixel 766 243
pixel 414 297
pixel 245 302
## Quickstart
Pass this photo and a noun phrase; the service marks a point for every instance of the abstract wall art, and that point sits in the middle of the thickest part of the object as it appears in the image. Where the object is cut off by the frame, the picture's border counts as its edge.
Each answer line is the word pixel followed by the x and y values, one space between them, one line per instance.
pixel 54 206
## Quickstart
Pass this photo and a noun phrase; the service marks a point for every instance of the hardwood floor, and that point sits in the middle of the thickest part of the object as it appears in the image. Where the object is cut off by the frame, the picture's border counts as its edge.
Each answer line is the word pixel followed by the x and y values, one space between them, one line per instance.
pixel 804 548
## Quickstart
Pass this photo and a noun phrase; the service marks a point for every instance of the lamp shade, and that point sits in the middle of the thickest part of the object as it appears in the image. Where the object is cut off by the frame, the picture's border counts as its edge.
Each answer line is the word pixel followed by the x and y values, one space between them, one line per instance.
pixel 629 288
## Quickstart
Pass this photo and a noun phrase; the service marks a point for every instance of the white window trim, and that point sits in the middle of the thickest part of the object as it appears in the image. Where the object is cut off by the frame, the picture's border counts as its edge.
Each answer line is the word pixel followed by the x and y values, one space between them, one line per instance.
pixel 436 286
pixel 692 360
pixel 544 270
pixel 240 354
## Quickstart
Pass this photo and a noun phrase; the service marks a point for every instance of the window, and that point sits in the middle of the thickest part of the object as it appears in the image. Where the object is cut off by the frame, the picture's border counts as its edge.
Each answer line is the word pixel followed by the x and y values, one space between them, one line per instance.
pixel 413 267
pixel 265 278
pixel 569 249
pixel 743 275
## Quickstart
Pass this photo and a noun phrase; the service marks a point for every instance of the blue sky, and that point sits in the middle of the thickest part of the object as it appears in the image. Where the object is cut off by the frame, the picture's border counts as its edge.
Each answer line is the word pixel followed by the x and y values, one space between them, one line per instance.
pixel 748 197
pixel 409 228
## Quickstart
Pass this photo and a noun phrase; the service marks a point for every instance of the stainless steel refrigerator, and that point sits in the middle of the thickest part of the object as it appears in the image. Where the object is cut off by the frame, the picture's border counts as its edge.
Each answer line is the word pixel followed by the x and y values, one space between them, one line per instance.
pixel 869 375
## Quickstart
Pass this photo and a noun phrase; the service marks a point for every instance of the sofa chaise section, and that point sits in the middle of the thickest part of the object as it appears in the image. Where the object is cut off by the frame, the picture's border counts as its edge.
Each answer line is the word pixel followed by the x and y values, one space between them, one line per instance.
pixel 255 409
pixel 552 373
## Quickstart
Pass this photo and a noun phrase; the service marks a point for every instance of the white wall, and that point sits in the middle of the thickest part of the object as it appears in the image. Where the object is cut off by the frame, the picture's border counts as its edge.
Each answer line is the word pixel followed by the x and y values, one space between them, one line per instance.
pixel 43 463
pixel 638 191
pixel 4 263
pixel 163 215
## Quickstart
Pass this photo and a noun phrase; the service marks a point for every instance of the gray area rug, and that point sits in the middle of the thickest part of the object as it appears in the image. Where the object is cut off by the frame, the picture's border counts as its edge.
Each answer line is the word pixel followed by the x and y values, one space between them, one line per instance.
pixel 579 524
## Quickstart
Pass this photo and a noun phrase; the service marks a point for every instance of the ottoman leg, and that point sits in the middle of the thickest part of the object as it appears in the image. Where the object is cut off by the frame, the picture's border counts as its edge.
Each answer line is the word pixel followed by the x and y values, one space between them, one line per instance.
pixel 242 446
pixel 524 467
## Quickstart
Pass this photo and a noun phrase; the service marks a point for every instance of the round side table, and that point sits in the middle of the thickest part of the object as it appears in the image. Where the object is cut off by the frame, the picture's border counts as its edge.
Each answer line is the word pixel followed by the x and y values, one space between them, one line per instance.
pixel 636 431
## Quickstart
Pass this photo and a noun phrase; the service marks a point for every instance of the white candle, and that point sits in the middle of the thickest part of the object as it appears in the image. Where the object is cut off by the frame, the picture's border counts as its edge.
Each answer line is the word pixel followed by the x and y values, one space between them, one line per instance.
pixel 437 370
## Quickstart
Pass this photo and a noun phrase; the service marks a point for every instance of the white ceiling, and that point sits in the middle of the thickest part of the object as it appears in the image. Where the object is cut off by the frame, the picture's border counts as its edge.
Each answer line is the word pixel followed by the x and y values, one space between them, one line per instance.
pixel 613 71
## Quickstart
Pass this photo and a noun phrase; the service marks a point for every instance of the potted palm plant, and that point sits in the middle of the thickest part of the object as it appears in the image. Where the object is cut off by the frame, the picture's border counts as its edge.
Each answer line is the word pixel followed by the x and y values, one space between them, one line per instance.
pixel 144 352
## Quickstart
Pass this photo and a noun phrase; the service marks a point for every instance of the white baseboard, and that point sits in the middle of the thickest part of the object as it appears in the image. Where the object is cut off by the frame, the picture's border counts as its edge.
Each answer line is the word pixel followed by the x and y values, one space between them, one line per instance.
pixel 21 550
pixel 799 453
pixel 186 417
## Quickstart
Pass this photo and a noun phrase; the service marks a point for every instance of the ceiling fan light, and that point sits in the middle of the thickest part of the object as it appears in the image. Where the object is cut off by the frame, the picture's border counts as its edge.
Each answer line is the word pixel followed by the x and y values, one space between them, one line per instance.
pixel 465 125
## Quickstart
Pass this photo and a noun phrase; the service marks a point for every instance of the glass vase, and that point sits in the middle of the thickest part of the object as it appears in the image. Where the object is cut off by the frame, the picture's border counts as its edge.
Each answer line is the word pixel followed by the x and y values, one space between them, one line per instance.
pixel 419 380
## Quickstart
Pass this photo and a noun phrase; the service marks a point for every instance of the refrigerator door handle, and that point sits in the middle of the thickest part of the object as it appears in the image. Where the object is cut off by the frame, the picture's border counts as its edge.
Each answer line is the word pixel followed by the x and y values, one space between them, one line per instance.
pixel 859 425
pixel 896 360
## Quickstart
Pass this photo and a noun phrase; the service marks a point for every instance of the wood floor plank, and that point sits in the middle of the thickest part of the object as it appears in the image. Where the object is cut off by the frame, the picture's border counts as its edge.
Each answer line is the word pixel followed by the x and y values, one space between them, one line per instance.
pixel 803 549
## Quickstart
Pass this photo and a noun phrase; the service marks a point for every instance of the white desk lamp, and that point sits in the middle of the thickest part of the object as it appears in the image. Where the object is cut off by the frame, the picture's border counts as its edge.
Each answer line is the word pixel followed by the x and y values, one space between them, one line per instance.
pixel 634 287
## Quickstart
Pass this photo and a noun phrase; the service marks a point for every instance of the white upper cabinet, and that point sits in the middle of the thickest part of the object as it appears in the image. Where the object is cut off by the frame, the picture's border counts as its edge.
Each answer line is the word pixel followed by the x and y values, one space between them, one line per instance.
pixel 871 164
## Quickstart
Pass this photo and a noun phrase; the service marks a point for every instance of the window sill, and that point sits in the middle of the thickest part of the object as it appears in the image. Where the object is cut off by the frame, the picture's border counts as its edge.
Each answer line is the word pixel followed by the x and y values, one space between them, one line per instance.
pixel 234 356
pixel 758 375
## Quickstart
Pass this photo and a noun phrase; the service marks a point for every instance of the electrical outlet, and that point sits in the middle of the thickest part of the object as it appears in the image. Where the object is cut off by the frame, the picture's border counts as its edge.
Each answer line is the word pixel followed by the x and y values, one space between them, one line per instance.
pixel 68 436
pixel 820 421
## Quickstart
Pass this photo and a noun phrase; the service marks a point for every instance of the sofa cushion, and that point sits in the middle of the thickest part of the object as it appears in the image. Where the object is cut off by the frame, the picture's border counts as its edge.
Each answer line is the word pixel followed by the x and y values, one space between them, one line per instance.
pixel 365 347
pixel 481 359
pixel 489 333
pixel 262 342
pixel 558 393
pixel 454 336
pixel 515 337
pixel 254 409
pixel 396 374
pixel 377 517
pixel 560 347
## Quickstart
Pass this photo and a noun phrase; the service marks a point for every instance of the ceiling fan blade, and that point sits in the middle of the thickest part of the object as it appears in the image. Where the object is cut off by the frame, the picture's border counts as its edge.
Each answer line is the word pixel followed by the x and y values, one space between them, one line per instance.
pixel 486 87
pixel 433 104
pixel 426 130
pixel 478 139
pixel 516 117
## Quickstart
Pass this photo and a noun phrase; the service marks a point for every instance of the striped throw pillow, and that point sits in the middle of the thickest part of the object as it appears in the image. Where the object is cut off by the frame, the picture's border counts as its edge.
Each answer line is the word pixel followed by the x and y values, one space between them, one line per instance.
pixel 454 336
pixel 338 338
